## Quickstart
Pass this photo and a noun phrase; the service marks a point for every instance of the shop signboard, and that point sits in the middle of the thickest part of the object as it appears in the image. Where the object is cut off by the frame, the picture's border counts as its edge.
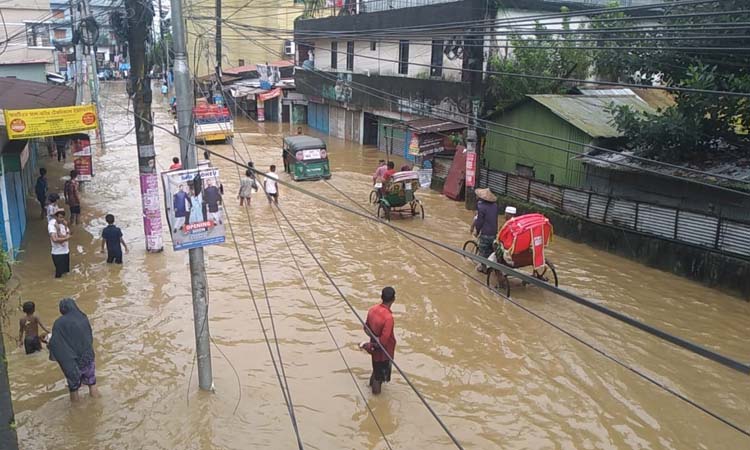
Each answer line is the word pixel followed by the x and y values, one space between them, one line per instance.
pixel 45 122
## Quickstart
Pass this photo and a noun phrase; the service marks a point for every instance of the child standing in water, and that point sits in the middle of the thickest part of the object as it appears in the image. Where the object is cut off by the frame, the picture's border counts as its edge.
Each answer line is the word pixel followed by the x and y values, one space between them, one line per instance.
pixel 28 334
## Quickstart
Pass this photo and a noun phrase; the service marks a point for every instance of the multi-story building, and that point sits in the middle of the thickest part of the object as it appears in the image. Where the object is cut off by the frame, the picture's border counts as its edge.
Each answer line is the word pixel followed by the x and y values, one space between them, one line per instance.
pixel 28 51
pixel 397 74
pixel 107 49
pixel 250 34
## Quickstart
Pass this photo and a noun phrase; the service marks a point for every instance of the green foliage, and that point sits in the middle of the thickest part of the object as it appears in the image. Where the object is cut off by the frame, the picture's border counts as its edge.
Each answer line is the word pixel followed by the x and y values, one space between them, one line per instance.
pixel 543 54
pixel 699 125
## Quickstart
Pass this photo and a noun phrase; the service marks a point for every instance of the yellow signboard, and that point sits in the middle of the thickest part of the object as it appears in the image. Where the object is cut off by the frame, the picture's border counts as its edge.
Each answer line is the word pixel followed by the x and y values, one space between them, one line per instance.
pixel 43 122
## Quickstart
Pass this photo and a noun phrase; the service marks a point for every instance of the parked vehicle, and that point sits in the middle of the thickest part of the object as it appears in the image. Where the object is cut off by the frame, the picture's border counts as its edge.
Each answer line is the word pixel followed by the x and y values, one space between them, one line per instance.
pixel 397 196
pixel 305 158
pixel 521 243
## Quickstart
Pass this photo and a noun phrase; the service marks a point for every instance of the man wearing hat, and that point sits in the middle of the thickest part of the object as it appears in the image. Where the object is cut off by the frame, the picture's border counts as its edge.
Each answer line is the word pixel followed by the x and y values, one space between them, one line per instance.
pixel 485 223
pixel 59 235
pixel 510 212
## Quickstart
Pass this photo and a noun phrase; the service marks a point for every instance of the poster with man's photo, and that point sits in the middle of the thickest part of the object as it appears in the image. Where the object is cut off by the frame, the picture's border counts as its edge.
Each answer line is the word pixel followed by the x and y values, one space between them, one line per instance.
pixel 195 207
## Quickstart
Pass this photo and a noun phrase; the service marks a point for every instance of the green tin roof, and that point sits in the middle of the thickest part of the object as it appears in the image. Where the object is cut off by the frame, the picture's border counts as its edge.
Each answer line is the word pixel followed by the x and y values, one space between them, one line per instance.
pixel 589 113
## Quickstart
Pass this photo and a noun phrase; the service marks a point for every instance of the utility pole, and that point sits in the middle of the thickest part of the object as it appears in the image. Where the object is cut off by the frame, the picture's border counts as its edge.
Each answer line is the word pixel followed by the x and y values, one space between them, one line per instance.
pixel 91 39
pixel 75 26
pixel 218 43
pixel 184 95
pixel 164 45
pixel 139 88
pixel 8 438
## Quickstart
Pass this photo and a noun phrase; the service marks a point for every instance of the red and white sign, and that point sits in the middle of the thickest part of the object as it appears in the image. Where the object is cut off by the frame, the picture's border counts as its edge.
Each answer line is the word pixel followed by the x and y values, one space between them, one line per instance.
pixel 273 93
pixel 471 169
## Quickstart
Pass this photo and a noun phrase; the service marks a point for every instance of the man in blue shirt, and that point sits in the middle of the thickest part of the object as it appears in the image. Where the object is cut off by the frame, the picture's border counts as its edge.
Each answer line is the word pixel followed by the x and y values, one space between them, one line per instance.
pixel 182 204
pixel 485 223
pixel 112 237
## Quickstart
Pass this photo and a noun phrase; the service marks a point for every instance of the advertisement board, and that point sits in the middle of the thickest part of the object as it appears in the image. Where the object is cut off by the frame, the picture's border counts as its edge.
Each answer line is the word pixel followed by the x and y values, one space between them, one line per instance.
pixel 80 147
pixel 44 122
pixel 194 206
pixel 471 169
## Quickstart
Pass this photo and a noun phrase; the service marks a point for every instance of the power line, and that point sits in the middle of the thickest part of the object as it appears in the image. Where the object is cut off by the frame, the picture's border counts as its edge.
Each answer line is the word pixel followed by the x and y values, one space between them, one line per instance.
pixel 572 80
pixel 531 280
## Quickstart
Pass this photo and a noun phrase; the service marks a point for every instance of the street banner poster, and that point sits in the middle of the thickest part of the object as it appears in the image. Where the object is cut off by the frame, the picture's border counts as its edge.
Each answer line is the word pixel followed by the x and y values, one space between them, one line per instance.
pixel 195 208
pixel 425 178
pixel 471 169
pixel 45 122
pixel 82 156
pixel 414 145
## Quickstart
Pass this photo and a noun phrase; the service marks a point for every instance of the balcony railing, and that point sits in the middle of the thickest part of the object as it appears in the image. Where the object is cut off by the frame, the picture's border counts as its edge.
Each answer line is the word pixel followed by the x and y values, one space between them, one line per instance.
pixel 322 8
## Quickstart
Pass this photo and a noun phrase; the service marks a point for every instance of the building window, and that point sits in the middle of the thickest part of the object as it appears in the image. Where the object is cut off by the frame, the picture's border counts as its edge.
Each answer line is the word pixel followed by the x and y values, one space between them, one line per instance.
pixel 241 62
pixel 60 34
pixel 524 170
pixel 436 61
pixel 403 57
pixel 373 45
pixel 334 55
pixel 350 56
pixel 37 35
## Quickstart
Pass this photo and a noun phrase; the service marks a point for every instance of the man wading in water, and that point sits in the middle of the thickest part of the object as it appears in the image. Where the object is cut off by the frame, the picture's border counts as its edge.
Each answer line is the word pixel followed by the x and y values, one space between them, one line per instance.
pixel 379 326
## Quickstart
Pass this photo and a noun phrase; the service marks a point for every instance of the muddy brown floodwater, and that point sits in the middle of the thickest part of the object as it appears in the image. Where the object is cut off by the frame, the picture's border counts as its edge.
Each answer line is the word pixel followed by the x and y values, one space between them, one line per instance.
pixel 497 376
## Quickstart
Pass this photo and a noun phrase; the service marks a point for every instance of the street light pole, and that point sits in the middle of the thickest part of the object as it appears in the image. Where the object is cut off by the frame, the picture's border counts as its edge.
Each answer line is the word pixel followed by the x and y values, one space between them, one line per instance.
pixel 184 97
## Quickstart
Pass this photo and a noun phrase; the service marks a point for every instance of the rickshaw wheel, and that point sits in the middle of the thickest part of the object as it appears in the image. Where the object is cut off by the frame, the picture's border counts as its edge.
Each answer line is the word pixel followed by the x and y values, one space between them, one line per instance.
pixel 384 212
pixel 417 209
pixel 498 281
pixel 548 268
pixel 471 246
pixel 554 271
pixel 374 197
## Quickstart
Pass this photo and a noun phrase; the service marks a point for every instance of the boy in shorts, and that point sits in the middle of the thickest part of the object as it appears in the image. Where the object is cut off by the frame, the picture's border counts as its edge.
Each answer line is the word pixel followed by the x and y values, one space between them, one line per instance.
pixel 112 237
pixel 28 334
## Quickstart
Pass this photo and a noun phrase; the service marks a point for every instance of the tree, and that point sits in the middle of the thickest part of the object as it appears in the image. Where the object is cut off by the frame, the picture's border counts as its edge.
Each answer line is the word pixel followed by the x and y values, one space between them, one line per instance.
pixel 699 124
pixel 555 55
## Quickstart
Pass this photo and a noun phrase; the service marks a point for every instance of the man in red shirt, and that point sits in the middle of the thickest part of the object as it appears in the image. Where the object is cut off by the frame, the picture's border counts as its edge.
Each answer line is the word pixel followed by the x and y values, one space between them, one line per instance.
pixel 379 326
pixel 391 170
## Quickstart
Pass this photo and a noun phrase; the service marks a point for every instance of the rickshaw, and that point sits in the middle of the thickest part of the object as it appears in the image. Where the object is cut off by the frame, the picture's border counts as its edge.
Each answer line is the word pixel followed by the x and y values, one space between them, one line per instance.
pixel 305 158
pixel 521 243
pixel 398 196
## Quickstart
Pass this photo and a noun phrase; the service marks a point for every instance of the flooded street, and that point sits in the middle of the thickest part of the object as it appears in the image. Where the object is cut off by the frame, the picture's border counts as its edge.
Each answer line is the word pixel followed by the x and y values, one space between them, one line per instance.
pixel 497 376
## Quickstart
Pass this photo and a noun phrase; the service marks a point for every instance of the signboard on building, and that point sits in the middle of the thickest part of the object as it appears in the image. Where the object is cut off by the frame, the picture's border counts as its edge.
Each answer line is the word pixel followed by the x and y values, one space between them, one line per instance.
pixel 44 122
pixel 195 208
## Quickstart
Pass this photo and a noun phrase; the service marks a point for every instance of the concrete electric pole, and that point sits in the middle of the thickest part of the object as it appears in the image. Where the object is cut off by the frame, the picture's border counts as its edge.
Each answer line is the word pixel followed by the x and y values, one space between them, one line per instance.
pixel 139 88
pixel 184 96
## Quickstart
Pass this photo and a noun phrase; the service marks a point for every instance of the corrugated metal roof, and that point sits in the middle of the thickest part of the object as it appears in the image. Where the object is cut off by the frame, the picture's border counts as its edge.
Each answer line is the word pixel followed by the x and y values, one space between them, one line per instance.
pixel 24 94
pixel 428 125
pixel 589 113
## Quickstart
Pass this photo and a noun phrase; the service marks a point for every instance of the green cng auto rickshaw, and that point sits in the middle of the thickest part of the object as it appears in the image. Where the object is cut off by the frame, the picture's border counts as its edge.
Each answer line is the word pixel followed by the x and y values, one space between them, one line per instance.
pixel 305 158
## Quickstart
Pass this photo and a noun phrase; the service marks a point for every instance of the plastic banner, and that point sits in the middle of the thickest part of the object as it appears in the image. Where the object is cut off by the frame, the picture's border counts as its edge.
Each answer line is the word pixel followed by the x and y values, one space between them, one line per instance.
pixel 44 122
pixel 195 207
pixel 471 169
pixel 82 152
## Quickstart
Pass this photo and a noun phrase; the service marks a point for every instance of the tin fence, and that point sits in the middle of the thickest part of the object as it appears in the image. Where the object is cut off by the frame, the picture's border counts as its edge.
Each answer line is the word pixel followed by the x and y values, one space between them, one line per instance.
pixel 679 225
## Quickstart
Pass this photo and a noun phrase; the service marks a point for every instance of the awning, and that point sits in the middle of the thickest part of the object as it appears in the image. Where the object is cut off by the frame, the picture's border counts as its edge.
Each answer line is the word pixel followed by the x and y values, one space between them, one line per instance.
pixel 24 94
pixel 428 125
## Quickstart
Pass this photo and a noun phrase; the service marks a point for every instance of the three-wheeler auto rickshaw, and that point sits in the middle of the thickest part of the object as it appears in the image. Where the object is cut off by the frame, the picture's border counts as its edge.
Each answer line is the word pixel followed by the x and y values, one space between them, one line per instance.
pixel 305 158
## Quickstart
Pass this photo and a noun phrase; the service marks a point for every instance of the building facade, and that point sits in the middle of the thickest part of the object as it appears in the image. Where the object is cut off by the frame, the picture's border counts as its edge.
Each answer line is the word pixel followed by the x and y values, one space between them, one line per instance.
pixel 108 53
pixel 250 34
pixel 28 24
pixel 367 87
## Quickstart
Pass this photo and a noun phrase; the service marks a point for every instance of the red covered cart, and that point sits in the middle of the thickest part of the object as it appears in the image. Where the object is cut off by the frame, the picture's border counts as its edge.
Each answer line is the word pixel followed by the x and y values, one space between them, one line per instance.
pixel 521 243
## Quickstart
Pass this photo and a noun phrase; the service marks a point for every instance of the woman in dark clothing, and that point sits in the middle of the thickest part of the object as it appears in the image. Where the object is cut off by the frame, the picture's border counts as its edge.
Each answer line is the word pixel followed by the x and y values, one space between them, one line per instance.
pixel 72 346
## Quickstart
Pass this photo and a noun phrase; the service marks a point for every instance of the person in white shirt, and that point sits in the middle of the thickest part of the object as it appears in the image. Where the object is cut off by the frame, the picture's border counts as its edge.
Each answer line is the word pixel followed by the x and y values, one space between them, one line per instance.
pixel 59 235
pixel 271 186
pixel 52 206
